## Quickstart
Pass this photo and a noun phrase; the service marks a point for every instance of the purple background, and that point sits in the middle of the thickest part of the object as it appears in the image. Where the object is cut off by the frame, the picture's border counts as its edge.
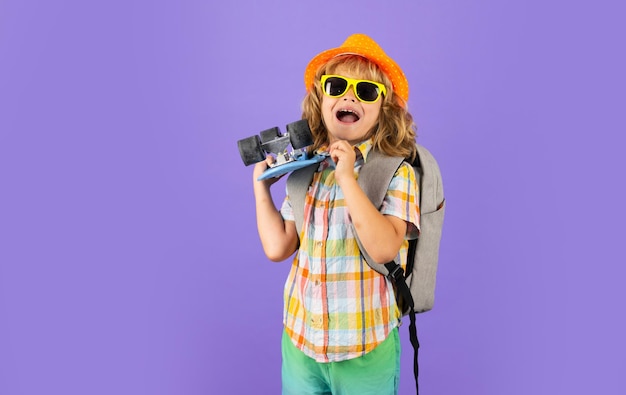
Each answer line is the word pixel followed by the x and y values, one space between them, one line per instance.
pixel 129 259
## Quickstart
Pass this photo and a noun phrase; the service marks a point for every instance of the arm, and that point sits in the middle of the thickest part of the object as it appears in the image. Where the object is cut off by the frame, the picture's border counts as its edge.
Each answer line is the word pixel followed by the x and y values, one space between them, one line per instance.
pixel 278 237
pixel 381 235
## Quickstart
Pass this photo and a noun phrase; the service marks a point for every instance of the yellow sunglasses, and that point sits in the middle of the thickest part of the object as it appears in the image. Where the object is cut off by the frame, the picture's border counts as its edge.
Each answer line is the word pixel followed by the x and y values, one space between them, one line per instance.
pixel 365 90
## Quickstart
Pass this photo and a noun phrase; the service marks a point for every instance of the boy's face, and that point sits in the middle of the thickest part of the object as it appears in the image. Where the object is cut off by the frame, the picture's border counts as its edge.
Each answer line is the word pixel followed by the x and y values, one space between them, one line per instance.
pixel 346 117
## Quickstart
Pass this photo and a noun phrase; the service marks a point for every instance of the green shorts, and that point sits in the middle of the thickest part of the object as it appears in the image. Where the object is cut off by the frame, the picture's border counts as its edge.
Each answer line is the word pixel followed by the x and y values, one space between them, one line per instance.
pixel 377 372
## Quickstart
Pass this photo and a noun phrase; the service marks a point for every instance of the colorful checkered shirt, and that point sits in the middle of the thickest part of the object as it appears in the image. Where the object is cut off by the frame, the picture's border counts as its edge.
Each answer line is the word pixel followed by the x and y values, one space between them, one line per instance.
pixel 336 306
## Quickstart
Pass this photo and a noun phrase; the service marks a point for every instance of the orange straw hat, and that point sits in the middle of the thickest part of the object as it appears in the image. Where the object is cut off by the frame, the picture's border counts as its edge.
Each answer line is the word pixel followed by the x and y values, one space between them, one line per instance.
pixel 362 45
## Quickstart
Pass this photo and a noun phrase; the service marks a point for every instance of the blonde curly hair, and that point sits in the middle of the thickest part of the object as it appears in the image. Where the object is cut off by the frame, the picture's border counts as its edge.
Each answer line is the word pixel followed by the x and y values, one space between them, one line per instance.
pixel 393 134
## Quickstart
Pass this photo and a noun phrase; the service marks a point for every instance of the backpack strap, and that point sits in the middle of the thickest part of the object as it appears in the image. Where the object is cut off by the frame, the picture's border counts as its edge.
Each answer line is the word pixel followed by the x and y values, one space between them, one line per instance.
pixel 298 184
pixel 374 179
pixel 396 275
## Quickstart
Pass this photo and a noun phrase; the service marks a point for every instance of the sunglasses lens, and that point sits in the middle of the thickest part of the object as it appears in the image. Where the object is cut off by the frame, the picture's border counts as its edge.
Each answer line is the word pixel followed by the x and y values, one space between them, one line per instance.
pixel 335 86
pixel 367 91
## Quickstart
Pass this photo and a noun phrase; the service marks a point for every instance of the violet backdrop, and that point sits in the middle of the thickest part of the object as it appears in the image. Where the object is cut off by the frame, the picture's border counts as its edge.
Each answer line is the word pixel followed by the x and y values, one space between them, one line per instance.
pixel 129 259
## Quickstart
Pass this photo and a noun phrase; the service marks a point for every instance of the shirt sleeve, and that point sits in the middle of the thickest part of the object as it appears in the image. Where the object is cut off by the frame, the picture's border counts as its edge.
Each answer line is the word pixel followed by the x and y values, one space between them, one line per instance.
pixel 401 199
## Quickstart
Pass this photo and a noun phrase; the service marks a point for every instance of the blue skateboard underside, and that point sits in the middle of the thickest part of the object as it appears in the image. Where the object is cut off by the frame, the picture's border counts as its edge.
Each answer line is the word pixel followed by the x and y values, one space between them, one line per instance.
pixel 291 166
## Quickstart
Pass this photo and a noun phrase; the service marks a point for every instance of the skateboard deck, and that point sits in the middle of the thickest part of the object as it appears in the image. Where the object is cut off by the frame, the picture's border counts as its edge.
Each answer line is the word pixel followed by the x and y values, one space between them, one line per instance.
pixel 291 166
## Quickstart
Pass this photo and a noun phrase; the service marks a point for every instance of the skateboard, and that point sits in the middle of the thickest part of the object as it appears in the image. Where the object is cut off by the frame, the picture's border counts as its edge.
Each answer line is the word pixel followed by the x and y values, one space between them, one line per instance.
pixel 255 149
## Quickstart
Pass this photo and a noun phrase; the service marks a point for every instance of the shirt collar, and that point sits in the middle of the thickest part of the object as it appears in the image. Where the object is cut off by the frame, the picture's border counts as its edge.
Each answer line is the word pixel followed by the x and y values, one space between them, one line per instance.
pixel 364 148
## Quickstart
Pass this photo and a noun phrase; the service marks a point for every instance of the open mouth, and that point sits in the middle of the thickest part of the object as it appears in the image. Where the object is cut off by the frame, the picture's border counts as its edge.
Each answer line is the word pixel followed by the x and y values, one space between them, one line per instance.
pixel 347 116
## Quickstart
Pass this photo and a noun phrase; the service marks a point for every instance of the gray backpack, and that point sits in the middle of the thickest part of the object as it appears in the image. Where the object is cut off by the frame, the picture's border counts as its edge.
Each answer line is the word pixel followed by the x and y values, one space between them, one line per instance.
pixel 415 290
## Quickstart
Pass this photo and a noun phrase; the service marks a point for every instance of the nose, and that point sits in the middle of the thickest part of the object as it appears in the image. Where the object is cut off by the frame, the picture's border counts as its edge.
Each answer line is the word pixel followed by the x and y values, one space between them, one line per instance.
pixel 350 94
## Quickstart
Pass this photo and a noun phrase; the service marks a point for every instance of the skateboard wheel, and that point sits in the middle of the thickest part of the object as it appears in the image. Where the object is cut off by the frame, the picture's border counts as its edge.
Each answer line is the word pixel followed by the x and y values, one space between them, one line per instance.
pixel 269 135
pixel 250 150
pixel 299 134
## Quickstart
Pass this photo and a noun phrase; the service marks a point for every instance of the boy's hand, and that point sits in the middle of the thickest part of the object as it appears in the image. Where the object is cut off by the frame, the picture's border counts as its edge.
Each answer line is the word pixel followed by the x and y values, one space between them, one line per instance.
pixel 344 156
pixel 260 167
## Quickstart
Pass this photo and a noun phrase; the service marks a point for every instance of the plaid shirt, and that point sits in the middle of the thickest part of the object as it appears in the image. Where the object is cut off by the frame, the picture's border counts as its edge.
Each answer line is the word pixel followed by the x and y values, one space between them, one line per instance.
pixel 336 306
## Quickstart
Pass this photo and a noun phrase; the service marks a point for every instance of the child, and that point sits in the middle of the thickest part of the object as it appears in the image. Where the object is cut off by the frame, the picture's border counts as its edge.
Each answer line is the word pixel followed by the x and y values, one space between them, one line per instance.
pixel 340 316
